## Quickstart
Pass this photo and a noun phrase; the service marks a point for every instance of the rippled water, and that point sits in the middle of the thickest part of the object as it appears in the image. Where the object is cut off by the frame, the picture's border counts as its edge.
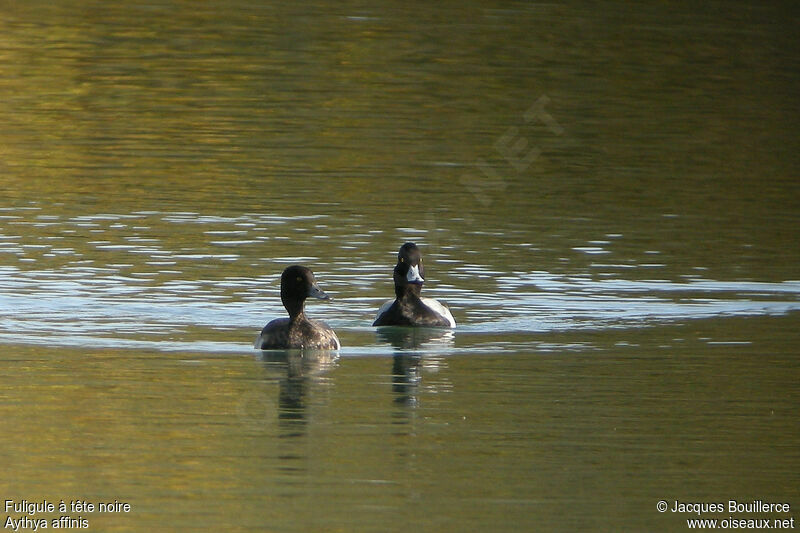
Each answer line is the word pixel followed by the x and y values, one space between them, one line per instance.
pixel 605 197
pixel 121 280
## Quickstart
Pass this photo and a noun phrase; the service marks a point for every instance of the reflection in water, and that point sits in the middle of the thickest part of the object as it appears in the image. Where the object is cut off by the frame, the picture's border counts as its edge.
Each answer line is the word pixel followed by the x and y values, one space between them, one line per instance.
pixel 159 160
pixel 173 280
pixel 406 378
pixel 413 348
pixel 404 338
pixel 298 370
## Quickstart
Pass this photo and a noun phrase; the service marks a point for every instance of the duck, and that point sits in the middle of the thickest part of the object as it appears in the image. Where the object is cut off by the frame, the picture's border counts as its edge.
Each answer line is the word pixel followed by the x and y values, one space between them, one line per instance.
pixel 298 331
pixel 409 308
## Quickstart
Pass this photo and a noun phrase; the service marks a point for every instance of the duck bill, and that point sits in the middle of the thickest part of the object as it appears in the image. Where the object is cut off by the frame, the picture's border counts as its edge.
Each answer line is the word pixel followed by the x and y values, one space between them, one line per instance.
pixel 316 292
pixel 414 276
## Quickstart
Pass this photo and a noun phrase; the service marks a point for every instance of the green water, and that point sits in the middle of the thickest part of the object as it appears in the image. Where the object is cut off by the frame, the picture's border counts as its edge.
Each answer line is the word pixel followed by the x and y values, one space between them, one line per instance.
pixel 605 195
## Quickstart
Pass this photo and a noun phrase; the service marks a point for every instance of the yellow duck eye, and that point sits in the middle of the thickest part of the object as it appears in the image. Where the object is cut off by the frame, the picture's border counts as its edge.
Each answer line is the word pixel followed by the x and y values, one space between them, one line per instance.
pixel 299 278
pixel 402 260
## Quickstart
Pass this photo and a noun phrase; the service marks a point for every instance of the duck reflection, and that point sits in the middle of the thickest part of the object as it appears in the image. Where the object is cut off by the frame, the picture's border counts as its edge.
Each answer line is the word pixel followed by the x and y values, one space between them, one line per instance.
pixel 406 378
pixel 298 369
pixel 413 351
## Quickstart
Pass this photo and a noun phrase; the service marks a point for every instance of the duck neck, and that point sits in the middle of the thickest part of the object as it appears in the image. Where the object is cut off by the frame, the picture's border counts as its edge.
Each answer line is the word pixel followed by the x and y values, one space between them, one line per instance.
pixel 408 292
pixel 295 309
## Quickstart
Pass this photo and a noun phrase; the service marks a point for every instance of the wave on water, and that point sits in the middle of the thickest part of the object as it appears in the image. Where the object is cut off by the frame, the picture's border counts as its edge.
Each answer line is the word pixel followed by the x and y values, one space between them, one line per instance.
pixel 113 311
pixel 192 282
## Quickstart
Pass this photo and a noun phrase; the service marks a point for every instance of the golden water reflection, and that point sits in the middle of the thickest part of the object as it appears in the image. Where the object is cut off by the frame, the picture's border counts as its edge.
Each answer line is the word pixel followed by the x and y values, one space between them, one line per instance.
pixel 606 196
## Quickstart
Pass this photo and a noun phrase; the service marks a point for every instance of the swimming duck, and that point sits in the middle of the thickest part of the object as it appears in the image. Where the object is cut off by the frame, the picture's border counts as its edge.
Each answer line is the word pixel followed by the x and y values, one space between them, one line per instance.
pixel 297 331
pixel 409 308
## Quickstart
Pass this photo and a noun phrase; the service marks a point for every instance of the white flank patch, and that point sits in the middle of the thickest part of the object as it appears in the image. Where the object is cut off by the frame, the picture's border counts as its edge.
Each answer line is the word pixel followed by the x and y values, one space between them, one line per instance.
pixel 385 307
pixel 441 309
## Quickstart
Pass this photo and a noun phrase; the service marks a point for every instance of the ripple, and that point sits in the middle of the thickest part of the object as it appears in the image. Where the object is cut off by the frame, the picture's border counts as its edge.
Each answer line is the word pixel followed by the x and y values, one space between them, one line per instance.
pixel 113 284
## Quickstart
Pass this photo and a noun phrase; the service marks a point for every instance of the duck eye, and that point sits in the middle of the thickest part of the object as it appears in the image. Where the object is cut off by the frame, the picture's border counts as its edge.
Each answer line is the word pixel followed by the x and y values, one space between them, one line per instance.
pixel 299 278
pixel 402 260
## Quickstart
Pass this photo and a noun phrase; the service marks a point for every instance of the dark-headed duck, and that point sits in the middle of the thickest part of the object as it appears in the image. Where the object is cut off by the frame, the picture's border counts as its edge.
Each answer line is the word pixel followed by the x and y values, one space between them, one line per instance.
pixel 297 331
pixel 409 308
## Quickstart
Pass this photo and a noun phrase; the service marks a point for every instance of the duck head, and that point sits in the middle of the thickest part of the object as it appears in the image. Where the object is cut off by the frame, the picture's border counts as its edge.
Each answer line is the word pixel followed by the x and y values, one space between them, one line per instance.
pixel 409 274
pixel 297 284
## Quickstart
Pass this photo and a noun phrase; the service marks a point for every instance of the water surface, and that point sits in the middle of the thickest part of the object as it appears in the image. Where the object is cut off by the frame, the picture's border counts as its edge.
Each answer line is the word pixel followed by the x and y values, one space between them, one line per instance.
pixel 606 197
